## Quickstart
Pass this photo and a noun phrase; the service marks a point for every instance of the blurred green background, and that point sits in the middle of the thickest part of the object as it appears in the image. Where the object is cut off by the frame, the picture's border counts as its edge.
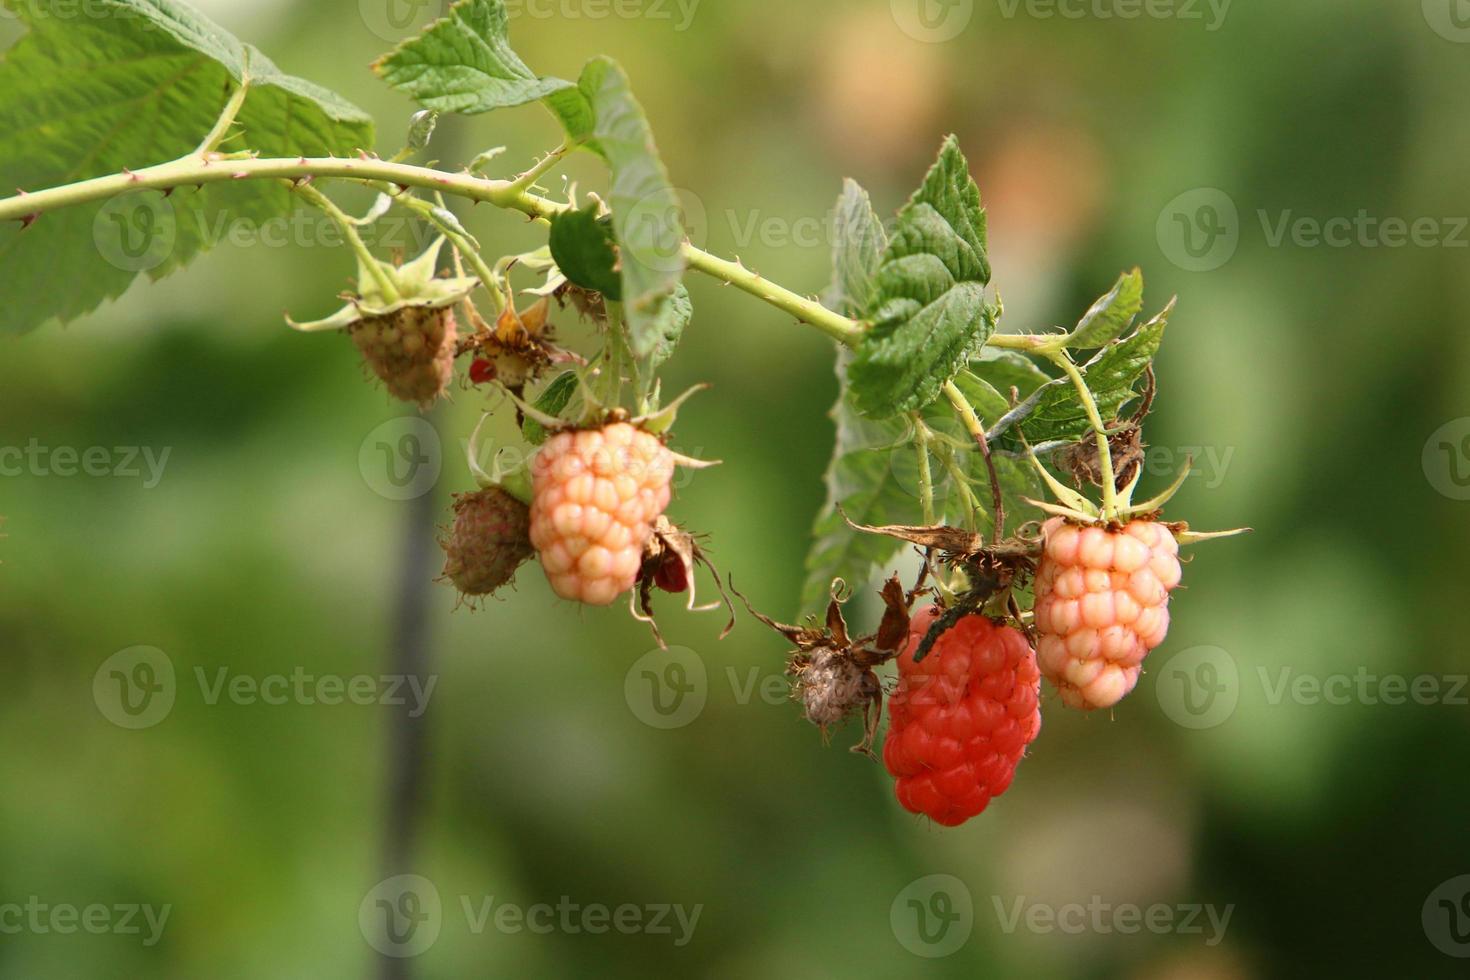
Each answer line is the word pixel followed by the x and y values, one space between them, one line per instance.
pixel 1322 386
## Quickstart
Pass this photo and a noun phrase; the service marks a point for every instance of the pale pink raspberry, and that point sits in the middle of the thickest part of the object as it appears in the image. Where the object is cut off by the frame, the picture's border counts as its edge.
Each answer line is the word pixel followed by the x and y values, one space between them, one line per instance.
pixel 1102 603
pixel 597 494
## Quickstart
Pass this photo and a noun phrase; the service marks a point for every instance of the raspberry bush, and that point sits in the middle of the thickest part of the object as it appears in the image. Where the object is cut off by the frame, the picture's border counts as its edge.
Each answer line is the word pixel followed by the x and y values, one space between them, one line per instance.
pixel 990 421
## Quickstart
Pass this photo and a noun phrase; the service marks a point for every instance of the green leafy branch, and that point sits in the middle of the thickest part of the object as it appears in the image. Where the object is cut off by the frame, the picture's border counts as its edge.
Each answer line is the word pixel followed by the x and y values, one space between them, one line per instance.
pixel 85 103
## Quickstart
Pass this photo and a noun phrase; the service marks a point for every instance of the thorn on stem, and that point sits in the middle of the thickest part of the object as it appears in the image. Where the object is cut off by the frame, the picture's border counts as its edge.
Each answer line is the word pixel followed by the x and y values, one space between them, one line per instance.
pixel 27 220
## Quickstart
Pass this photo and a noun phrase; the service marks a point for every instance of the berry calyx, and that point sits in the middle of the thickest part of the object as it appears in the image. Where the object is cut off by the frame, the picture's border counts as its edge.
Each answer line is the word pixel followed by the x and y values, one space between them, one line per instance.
pixel 402 320
pixel 489 540
pixel 596 496
pixel 1102 603
pixel 961 718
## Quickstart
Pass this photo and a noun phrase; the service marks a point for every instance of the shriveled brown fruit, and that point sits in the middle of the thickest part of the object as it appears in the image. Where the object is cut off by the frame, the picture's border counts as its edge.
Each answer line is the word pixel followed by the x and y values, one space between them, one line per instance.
pixel 489 540
pixel 411 350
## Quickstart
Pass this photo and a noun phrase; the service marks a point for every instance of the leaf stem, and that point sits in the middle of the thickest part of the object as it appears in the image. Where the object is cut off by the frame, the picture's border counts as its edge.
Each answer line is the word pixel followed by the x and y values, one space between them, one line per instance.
pixel 1100 432
pixel 231 111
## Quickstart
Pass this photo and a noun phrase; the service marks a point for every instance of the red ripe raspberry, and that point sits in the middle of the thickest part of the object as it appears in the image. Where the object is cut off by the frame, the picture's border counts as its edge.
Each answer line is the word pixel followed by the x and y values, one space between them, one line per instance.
pixel 410 350
pixel 1102 603
pixel 961 718
pixel 597 495
pixel 489 541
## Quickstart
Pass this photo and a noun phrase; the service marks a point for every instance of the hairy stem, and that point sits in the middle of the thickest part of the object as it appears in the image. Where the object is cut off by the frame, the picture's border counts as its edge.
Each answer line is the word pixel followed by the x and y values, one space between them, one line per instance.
pixel 542 167
pixel 1100 432
pixel 926 473
pixel 976 428
pixel 349 229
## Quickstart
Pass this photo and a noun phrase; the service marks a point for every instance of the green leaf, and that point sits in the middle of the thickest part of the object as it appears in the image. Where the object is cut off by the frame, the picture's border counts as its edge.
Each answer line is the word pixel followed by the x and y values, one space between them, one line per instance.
pixel 646 212
pixel 134 83
pixel 463 62
pixel 1111 315
pixel 863 480
pixel 860 242
pixel 583 248
pixel 861 477
pixel 1112 376
pixel 677 314
pixel 928 308
pixel 552 401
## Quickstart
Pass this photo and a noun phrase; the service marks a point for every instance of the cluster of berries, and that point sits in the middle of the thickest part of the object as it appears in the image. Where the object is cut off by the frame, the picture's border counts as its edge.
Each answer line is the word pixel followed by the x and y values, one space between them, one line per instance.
pixel 967 701
pixel 962 717
pixel 597 495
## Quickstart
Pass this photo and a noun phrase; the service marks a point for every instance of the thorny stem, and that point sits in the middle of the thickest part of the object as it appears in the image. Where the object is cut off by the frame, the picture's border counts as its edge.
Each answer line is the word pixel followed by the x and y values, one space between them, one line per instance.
pixel 528 179
pixel 211 168
pixel 1100 431
pixel 976 428
pixel 834 325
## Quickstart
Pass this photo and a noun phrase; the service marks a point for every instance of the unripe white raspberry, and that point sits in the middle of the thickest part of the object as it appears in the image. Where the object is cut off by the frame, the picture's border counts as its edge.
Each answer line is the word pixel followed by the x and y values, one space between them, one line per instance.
pixel 597 493
pixel 1102 603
